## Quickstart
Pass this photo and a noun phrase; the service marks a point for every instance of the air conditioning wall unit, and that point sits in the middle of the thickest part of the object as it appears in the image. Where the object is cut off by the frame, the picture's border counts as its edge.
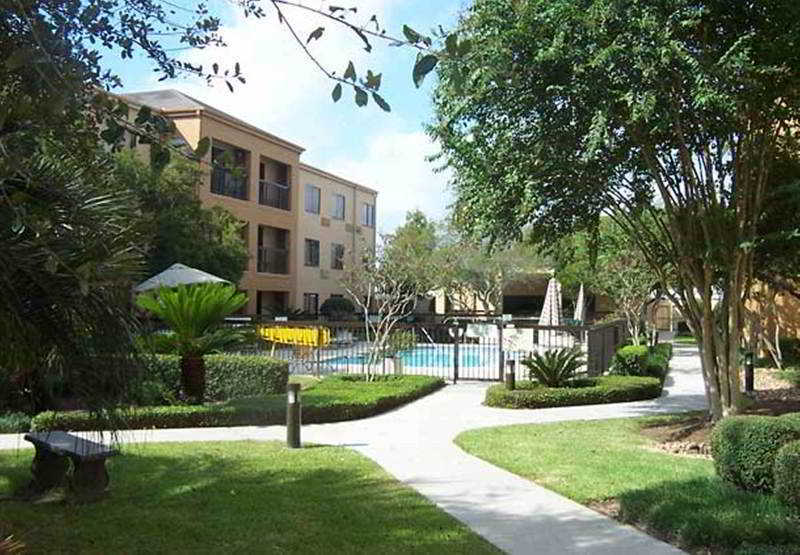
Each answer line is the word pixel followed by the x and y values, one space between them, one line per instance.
pixel 358 230
pixel 348 228
pixel 326 222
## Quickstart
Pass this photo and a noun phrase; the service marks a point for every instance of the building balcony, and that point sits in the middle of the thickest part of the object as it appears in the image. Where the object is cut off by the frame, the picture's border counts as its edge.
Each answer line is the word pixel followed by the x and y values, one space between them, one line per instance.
pixel 272 260
pixel 273 194
pixel 230 183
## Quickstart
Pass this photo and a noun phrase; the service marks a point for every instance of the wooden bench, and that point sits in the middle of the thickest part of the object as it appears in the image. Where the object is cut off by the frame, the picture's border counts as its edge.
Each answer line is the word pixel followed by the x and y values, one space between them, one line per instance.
pixel 54 451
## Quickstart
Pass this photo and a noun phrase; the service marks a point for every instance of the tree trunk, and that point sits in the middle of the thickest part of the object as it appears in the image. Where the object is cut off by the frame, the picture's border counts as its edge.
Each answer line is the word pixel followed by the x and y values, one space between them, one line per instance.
pixel 193 378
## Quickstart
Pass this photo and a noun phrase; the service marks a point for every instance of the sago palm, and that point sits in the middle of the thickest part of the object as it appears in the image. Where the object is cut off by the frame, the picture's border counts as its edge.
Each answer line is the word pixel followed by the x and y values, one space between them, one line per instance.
pixel 555 367
pixel 195 313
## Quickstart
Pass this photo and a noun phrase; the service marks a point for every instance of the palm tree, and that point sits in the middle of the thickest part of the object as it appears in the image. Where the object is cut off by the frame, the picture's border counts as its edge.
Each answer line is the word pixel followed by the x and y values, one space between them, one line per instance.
pixel 195 313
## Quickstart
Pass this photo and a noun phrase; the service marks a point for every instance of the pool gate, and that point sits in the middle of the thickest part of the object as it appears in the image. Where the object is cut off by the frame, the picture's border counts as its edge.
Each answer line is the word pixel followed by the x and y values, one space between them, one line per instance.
pixel 458 349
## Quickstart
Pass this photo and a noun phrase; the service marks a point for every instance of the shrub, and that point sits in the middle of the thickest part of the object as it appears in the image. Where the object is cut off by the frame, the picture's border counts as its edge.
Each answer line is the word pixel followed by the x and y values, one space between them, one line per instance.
pixel 337 308
pixel 589 391
pixel 401 340
pixel 332 400
pixel 227 375
pixel 629 360
pixel 14 422
pixel 642 361
pixel 554 368
pixel 787 474
pixel 790 350
pixel 744 449
pixel 792 375
pixel 162 343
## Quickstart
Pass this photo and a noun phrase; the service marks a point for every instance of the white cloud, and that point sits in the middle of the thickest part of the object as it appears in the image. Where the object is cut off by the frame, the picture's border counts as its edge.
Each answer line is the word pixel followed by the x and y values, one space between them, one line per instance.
pixel 287 95
pixel 395 166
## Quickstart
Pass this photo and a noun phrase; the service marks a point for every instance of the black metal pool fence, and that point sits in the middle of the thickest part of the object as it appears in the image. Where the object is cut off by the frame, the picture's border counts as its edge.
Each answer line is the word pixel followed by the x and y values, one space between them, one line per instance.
pixel 459 348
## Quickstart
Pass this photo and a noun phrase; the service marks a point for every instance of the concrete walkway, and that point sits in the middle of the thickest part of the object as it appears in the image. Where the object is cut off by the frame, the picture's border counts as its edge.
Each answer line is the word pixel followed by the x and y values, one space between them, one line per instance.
pixel 415 444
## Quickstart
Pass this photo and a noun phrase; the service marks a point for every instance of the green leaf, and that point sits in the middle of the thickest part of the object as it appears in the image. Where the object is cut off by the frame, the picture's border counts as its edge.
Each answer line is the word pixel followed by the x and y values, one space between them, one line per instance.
pixel 315 34
pixel 202 147
pixel 411 34
pixel 143 116
pixel 423 67
pixel 381 102
pixel 373 80
pixel 361 97
pixel 20 57
pixel 350 72
pixel 336 94
pixel 451 44
pixel 464 47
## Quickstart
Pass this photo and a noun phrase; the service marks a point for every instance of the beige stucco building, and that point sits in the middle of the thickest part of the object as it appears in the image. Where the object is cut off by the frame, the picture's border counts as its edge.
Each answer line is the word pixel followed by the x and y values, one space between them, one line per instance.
pixel 259 178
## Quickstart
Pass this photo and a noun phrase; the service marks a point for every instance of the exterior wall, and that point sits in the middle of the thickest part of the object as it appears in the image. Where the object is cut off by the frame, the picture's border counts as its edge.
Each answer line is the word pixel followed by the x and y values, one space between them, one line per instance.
pixel 323 227
pixel 775 310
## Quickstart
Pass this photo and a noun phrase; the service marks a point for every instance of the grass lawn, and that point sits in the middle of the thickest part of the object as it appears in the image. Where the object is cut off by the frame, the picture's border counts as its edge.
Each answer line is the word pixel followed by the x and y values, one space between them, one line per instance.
pixel 684 340
pixel 674 497
pixel 238 497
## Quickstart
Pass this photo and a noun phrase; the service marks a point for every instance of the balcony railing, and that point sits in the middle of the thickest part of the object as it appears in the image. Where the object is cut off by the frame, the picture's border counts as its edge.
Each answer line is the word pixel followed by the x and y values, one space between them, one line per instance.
pixel 273 261
pixel 230 183
pixel 273 194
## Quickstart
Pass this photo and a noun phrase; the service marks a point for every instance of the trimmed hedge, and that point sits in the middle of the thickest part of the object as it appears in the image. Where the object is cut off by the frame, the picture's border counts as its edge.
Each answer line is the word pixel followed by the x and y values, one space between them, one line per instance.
pixel 587 391
pixel 334 399
pixel 744 448
pixel 227 375
pixel 787 474
pixel 14 422
pixel 641 360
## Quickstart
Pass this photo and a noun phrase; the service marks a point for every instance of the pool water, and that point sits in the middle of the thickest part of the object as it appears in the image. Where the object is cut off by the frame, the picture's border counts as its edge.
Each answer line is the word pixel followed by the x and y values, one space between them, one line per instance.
pixel 469 356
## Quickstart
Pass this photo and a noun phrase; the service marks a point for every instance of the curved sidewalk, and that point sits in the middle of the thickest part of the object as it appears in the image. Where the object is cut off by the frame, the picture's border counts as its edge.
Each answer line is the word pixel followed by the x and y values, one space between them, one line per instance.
pixel 415 444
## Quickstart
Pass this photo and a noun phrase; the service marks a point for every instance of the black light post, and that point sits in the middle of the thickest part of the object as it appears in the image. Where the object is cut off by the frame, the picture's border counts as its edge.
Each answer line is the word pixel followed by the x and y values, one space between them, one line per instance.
pixel 293 416
pixel 749 375
pixel 511 378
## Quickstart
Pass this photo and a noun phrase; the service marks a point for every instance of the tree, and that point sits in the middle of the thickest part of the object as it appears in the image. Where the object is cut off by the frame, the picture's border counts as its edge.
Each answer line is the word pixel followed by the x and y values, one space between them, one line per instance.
pixel 474 269
pixel 675 109
pixel 195 313
pixel 182 229
pixel 386 284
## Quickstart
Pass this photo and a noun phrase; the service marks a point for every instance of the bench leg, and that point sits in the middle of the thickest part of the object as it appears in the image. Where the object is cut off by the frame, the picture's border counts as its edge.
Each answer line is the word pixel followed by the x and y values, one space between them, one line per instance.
pixel 89 479
pixel 49 471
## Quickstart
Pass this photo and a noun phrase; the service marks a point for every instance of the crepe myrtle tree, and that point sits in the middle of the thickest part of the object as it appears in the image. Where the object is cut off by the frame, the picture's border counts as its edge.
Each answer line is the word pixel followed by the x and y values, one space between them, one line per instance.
pixel 385 286
pixel 674 109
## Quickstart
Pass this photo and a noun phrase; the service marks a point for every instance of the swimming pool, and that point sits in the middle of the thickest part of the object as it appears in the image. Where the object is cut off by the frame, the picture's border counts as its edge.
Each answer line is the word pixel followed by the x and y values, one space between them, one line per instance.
pixel 440 356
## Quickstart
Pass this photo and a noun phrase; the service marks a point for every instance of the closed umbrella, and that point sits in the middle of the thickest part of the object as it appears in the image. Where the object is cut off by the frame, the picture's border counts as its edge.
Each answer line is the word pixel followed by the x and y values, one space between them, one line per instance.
pixel 580 308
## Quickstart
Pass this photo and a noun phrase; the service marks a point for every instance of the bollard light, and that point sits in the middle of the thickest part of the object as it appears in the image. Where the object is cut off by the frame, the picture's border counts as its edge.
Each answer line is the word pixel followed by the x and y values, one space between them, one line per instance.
pixel 749 375
pixel 511 378
pixel 293 416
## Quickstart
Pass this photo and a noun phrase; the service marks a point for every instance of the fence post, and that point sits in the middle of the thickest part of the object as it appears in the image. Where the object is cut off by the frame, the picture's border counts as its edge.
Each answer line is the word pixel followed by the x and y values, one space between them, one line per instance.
pixel 500 353
pixel 455 353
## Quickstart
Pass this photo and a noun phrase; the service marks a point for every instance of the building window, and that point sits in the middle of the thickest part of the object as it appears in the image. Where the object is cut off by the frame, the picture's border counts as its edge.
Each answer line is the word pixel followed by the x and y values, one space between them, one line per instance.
pixel 274 187
pixel 368 215
pixel 338 207
pixel 310 303
pixel 273 250
pixel 312 199
pixel 337 256
pixel 312 252
pixel 229 171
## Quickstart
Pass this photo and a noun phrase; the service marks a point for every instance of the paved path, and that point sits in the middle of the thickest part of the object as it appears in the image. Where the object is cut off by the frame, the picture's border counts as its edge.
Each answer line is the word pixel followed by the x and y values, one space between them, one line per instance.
pixel 415 444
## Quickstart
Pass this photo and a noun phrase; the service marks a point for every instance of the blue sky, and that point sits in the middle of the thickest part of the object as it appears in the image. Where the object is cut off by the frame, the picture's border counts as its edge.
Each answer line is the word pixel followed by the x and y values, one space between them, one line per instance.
pixel 286 95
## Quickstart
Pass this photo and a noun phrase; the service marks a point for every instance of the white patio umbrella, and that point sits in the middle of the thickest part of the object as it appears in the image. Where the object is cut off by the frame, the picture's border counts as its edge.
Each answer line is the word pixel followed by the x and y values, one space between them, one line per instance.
pixel 178 274
pixel 551 311
pixel 580 306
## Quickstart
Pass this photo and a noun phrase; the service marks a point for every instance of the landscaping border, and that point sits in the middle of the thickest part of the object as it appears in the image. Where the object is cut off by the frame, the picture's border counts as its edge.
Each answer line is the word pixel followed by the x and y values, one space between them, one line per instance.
pixel 227 414
pixel 587 391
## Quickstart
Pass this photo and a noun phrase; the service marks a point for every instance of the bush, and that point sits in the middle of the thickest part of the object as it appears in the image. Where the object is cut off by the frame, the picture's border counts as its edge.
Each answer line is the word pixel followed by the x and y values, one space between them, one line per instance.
pixel 787 474
pixel 589 391
pixel 791 375
pixel 790 350
pixel 227 375
pixel 332 400
pixel 14 423
pixel 337 308
pixel 640 360
pixel 555 367
pixel 161 343
pixel 744 449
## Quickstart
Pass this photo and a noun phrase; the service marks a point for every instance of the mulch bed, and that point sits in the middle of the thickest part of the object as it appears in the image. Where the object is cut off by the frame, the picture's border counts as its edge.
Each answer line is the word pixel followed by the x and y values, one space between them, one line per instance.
pixel 690 436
